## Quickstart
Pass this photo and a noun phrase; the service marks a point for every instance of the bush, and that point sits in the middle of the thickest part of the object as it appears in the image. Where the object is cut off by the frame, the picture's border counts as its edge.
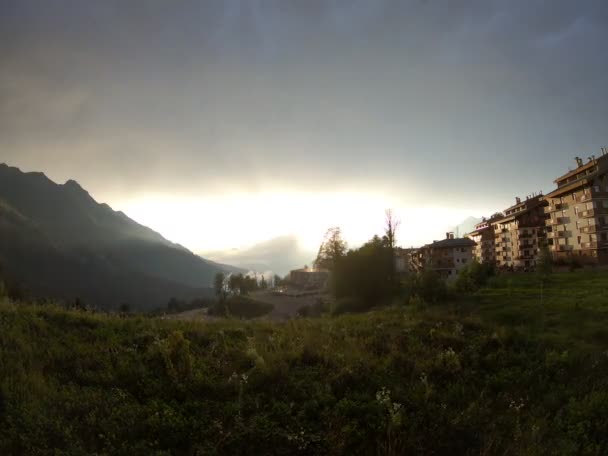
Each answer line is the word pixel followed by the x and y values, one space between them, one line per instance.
pixel 430 287
pixel 574 264
pixel 350 305
pixel 314 310
pixel 473 277
pixel 240 307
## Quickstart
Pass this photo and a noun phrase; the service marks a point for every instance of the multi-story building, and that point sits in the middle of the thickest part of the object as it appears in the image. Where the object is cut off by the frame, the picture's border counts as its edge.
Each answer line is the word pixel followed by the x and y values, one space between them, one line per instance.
pixel 520 234
pixel 446 257
pixel 403 260
pixel 578 212
pixel 483 236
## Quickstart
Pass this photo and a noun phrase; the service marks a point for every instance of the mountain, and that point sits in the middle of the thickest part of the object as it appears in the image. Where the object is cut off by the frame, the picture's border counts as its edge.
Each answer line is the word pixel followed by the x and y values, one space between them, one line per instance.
pixel 279 255
pixel 59 242
pixel 466 226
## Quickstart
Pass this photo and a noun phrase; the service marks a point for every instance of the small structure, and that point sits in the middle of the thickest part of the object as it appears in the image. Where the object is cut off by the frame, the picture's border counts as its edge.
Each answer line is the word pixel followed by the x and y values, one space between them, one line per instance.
pixel 309 278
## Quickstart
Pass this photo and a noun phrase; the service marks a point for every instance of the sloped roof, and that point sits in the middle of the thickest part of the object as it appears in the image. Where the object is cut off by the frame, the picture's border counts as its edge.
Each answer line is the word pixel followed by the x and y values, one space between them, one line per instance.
pixel 452 243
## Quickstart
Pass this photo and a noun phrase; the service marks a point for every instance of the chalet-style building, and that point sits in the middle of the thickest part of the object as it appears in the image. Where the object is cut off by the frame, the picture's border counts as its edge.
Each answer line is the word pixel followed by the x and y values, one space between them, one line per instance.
pixel 447 257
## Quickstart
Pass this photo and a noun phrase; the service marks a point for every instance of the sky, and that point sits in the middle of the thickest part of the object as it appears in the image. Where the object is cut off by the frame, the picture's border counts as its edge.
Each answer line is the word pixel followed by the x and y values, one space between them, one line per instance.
pixel 222 123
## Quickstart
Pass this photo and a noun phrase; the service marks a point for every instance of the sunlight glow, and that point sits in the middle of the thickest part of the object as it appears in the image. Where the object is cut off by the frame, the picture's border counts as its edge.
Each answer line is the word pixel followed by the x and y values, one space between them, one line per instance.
pixel 240 220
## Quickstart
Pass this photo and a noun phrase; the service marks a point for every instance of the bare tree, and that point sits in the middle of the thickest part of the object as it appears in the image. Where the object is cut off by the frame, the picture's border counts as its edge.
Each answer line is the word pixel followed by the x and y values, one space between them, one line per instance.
pixel 390 228
pixel 391 223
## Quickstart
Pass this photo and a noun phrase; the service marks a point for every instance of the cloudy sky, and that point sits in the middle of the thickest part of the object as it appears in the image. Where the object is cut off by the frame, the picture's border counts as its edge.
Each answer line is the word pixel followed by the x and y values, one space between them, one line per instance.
pixel 226 122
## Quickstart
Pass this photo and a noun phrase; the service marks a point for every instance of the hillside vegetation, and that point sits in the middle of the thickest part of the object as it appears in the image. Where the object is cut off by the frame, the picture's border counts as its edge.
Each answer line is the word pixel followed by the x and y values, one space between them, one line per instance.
pixel 56 241
pixel 495 373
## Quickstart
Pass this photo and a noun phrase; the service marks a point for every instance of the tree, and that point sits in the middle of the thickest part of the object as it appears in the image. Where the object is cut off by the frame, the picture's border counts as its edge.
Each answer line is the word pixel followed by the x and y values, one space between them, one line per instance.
pixel 248 284
pixel 331 249
pixel 364 273
pixel 390 229
pixel 277 281
pixel 263 284
pixel 219 286
pixel 235 283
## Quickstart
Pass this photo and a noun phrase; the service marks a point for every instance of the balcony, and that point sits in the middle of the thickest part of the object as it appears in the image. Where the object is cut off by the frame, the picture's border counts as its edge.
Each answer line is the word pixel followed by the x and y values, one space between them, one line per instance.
pixel 593 212
pixel 558 234
pixel 589 245
pixel 558 221
pixel 591 195
pixel 584 198
pixel 593 228
pixel 562 248
pixel 556 207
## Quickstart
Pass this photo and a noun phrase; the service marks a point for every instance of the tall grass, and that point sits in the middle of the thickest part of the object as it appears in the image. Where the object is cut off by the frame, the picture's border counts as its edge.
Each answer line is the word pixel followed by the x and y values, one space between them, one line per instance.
pixel 475 377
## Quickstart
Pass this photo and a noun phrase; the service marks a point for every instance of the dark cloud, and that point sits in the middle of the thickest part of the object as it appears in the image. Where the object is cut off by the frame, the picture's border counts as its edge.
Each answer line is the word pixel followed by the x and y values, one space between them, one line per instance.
pixel 200 96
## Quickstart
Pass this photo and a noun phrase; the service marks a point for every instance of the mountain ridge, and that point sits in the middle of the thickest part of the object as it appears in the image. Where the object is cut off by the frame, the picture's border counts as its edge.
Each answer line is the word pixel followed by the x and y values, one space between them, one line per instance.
pixel 111 257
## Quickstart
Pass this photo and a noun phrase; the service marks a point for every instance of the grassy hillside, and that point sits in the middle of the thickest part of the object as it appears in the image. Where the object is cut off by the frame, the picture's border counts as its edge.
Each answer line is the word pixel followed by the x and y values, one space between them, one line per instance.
pixel 489 375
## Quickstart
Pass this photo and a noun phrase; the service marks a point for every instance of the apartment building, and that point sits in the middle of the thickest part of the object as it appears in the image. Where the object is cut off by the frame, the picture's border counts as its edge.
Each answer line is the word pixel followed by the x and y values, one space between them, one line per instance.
pixel 577 222
pixel 447 257
pixel 485 240
pixel 519 235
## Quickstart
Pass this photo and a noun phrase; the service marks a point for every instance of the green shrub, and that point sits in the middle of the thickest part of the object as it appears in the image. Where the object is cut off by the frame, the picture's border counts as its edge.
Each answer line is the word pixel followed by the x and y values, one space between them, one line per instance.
pixel 350 305
pixel 430 287
pixel 317 309
pixel 240 307
pixel 473 277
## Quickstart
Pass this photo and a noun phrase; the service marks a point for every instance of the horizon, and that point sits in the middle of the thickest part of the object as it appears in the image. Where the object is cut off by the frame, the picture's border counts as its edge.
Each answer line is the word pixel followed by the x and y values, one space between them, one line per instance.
pixel 160 214
pixel 200 121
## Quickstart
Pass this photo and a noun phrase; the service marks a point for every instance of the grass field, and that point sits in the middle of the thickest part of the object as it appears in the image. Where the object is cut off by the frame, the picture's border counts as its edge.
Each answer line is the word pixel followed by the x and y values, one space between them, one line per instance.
pixel 494 373
pixel 567 308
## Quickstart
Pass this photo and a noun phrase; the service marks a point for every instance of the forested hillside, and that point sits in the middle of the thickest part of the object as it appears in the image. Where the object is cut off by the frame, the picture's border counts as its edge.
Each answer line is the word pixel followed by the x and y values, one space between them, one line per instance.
pixel 57 241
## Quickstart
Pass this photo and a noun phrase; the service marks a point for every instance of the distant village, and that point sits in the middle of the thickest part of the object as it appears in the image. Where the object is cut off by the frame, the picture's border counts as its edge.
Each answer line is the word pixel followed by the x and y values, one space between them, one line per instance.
pixel 571 222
